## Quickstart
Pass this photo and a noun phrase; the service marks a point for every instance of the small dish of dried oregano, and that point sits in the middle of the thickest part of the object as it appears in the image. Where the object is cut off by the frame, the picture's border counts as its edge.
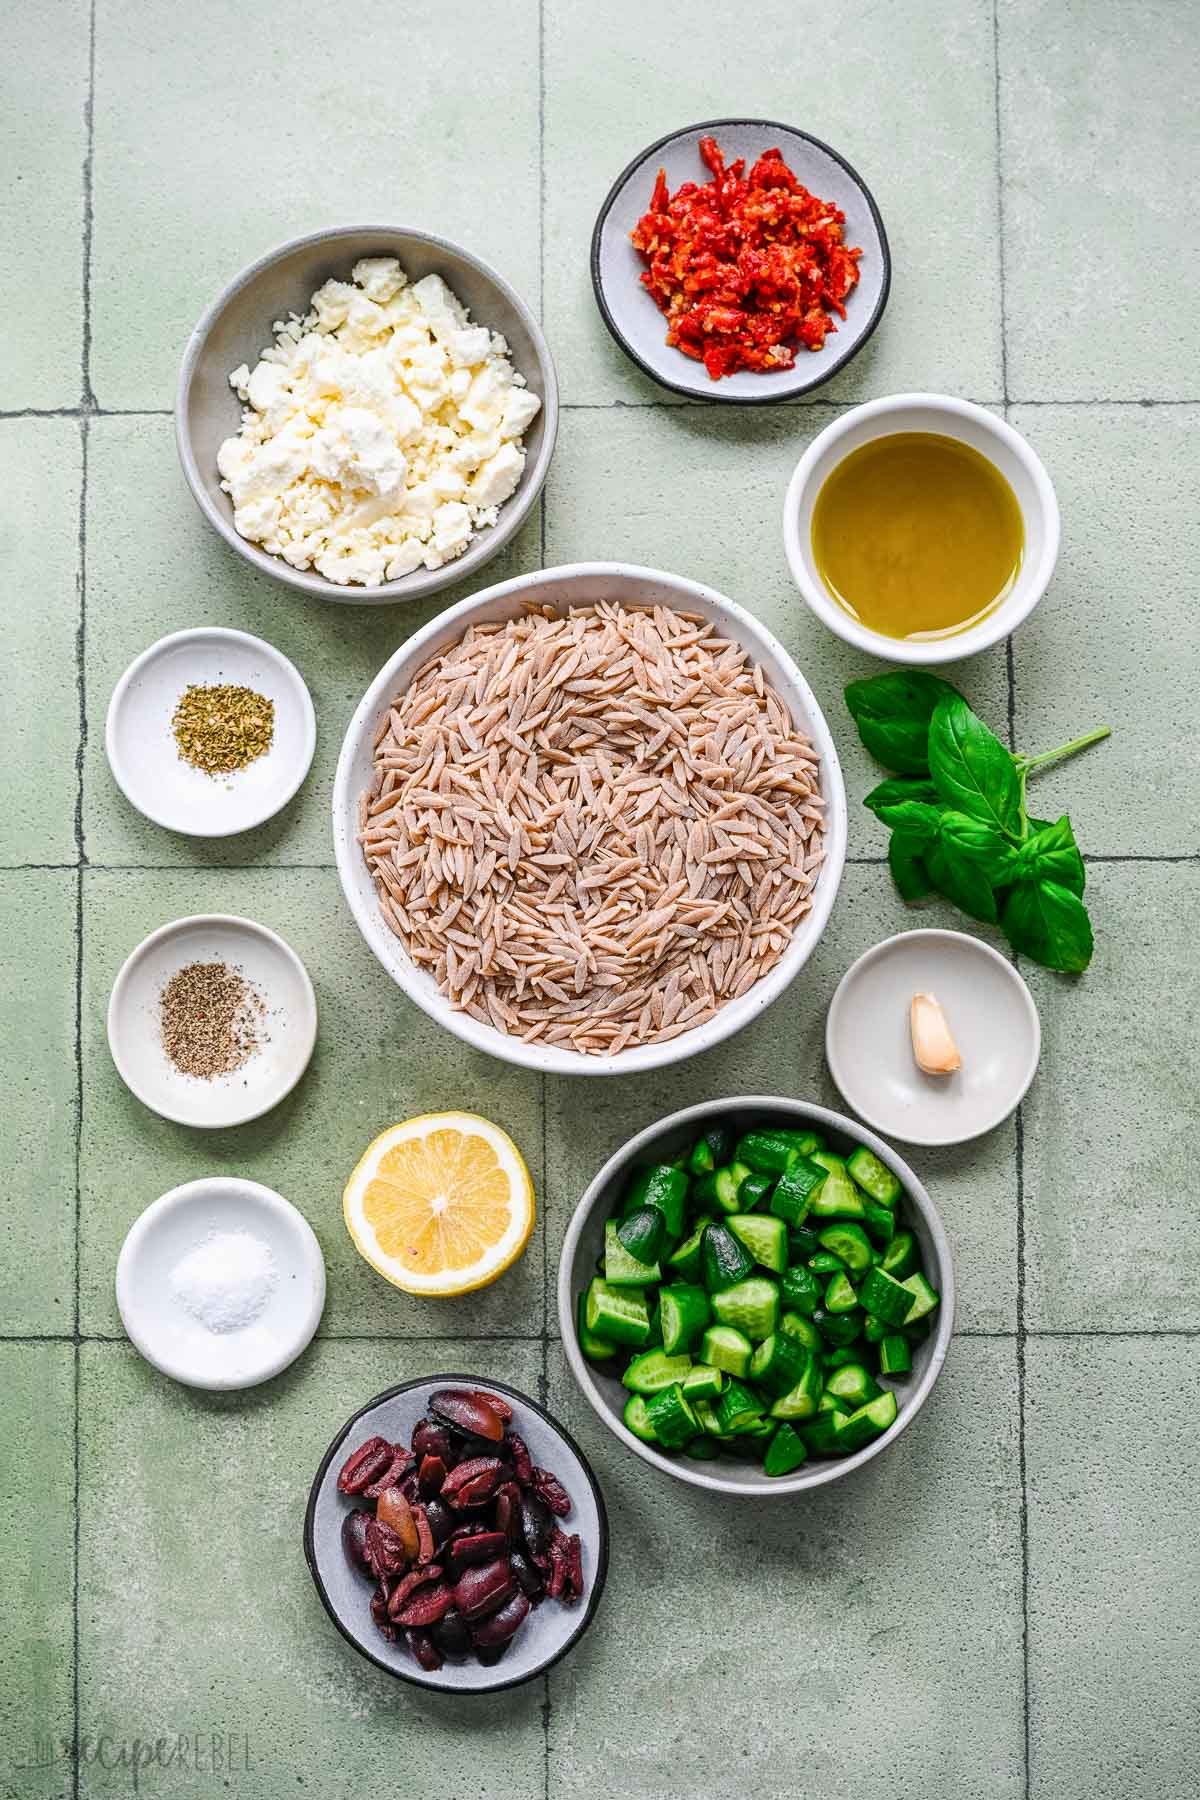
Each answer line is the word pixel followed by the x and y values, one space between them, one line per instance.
pixel 210 732
pixel 212 1020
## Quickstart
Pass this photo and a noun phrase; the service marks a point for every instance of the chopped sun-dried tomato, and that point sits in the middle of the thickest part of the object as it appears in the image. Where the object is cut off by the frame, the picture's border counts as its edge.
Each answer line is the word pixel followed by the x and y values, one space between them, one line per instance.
pixel 745 267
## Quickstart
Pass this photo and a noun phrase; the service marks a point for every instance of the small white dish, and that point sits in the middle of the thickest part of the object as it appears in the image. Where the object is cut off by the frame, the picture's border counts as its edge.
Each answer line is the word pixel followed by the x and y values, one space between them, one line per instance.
pixel 161 1327
pixel 288 1028
pixel 945 416
pixel 145 759
pixel 992 1017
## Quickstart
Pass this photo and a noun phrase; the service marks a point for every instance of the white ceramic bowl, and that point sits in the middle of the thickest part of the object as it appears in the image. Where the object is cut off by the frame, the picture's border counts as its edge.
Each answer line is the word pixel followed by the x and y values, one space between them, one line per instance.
pixel 289 1031
pixel 237 328
pixel 166 1333
pixel 584 1242
pixel 984 431
pixel 145 759
pixel 581 584
pixel 992 1018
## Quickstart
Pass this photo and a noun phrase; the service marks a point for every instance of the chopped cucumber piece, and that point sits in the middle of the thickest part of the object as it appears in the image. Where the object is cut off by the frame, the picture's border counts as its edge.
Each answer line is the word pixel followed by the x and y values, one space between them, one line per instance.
pixel 873 1176
pixel 889 1300
pixel 924 1298
pixel 824 1434
pixel 825 1263
pixel 795 1188
pixel 754 1191
pixel 643 1233
pixel 683 1313
pixel 837 1197
pixel 594 1347
pixel 881 1224
pixel 671 1416
pixel 621 1314
pixel 703 1383
pixel 853 1384
pixel 840 1296
pixel 722 1187
pixel 764 1237
pixel 706 1412
pixel 850 1243
pixel 727 1348
pixel 636 1419
pixel 785 1452
pixel 654 1370
pixel 701 1449
pixel 770 1151
pixel 838 1327
pixel 779 1362
pixel 620 1268
pixel 800 1289
pixel 725 1259
pixel 738 1408
pixel 895 1357
pixel 685 1261
pixel 752 1305
pixel 664 1187
pixel 900 1257
pixel 797 1326
pixel 869 1421
pixel 801 1399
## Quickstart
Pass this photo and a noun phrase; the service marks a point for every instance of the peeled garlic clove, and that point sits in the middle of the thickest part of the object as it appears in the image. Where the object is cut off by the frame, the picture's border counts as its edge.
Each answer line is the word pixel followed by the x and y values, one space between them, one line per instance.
pixel 934 1048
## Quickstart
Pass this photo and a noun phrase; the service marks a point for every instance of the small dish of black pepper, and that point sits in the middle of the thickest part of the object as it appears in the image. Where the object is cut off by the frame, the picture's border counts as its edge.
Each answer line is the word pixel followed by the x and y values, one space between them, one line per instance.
pixel 210 732
pixel 212 1020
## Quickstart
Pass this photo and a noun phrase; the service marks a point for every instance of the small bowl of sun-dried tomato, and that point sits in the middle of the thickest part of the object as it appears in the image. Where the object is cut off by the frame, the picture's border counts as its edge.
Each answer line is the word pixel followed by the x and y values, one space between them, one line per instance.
pixel 740 260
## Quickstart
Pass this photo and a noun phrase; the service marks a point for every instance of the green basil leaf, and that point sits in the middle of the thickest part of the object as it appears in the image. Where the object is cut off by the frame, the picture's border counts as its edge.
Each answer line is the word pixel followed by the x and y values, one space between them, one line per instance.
pixel 972 770
pixel 1050 853
pixel 892 713
pixel 908 871
pixel 916 820
pixel 896 789
pixel 984 845
pixel 1047 922
pixel 962 882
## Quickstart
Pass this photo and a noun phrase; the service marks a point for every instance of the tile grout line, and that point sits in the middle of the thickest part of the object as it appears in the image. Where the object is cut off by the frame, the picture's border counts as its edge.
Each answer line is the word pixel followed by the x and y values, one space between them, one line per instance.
pixel 1051 1333
pixel 87 406
pixel 1019 1146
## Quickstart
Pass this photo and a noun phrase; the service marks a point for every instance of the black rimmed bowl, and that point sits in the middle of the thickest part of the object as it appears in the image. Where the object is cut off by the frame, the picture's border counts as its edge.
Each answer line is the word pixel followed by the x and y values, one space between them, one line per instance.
pixel 584 1243
pixel 549 1630
pixel 641 329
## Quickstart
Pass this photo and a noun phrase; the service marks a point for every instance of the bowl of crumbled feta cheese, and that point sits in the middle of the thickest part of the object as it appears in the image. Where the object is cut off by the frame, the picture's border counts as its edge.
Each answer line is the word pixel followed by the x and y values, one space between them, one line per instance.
pixel 367 414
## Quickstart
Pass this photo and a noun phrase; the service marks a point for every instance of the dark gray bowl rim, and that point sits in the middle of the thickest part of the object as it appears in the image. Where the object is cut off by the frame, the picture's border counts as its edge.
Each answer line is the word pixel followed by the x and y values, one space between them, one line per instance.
pixel 805 387
pixel 513 513
pixel 822 1473
pixel 431 1681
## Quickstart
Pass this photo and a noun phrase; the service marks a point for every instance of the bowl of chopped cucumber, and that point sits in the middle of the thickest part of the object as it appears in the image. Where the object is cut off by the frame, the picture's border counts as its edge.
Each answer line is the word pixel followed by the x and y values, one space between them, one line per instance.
pixel 756 1295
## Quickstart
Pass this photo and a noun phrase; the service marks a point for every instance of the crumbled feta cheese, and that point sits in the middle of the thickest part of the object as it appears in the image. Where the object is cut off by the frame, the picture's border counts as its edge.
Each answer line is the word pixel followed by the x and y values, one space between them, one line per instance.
pixel 381 430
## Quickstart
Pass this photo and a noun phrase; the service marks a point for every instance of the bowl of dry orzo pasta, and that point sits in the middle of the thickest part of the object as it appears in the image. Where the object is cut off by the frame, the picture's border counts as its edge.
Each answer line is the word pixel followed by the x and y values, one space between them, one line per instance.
pixel 591 820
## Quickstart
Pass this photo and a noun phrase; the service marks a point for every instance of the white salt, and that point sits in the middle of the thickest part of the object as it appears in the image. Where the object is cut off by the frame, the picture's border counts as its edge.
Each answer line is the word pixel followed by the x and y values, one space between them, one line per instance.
pixel 226 1281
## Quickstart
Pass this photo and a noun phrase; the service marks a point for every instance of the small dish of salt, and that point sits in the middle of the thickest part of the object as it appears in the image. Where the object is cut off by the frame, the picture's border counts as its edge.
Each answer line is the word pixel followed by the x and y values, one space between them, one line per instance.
pixel 221 1283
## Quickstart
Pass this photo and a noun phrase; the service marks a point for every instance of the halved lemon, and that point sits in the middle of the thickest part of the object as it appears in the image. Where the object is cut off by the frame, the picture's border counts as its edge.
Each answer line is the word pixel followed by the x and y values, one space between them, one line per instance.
pixel 441 1204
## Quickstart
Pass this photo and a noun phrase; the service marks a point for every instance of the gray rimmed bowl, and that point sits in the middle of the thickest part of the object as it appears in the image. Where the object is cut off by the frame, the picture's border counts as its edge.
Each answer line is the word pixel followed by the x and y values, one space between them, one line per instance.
pixel 236 329
pixel 634 319
pixel 549 1630
pixel 584 1242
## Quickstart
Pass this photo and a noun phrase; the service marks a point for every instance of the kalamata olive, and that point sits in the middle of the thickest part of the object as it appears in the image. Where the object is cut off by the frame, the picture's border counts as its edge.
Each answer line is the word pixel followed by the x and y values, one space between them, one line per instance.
pixel 430 1475
pixel 490 1654
pixel 529 1579
pixel 395 1472
pixel 549 1489
pixel 472 1482
pixel 441 1520
pixel 379 1614
pixel 429 1604
pixel 506 1515
pixel 536 1525
pixel 368 1461
pixel 424 1649
pixel 451 1636
pixel 385 1552
pixel 481 1590
pixel 408 1585
pixel 433 1440
pixel 495 1402
pixel 469 1412
pixel 393 1509
pixel 500 1625
pixel 518 1454
pixel 424 1535
pixel 465 1552
pixel 354 1539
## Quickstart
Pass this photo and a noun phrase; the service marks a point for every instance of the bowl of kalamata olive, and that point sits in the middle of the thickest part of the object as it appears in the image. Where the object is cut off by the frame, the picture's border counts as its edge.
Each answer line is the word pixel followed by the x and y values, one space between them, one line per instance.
pixel 456 1535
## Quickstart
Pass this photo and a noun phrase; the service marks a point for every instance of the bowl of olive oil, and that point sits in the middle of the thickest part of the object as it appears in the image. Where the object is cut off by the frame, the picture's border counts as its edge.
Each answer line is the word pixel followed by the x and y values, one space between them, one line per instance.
pixel 921 528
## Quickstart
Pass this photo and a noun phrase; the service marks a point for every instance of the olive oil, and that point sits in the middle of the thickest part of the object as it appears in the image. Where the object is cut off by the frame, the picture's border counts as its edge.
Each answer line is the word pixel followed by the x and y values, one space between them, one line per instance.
pixel 917 535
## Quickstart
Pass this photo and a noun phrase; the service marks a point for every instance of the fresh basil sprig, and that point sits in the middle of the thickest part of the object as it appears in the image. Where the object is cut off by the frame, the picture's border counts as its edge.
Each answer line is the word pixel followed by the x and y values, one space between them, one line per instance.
pixel 956 810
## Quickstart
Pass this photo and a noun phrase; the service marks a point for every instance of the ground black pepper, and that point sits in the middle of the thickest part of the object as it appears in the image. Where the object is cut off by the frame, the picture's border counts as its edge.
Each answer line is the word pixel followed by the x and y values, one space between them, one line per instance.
pixel 210 1016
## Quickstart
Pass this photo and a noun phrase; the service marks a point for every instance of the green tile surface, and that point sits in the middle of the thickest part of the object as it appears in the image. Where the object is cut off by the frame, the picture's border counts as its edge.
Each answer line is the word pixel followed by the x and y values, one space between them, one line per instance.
pixel 378 1060
pixel 1004 1605
pixel 244 136
pixel 1113 1570
pixel 804 1620
pixel 40 475
pixel 37 1480
pixel 1110 1140
pixel 1100 137
pixel 37 1029
pixel 620 75
pixel 43 137
pixel 189 1625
